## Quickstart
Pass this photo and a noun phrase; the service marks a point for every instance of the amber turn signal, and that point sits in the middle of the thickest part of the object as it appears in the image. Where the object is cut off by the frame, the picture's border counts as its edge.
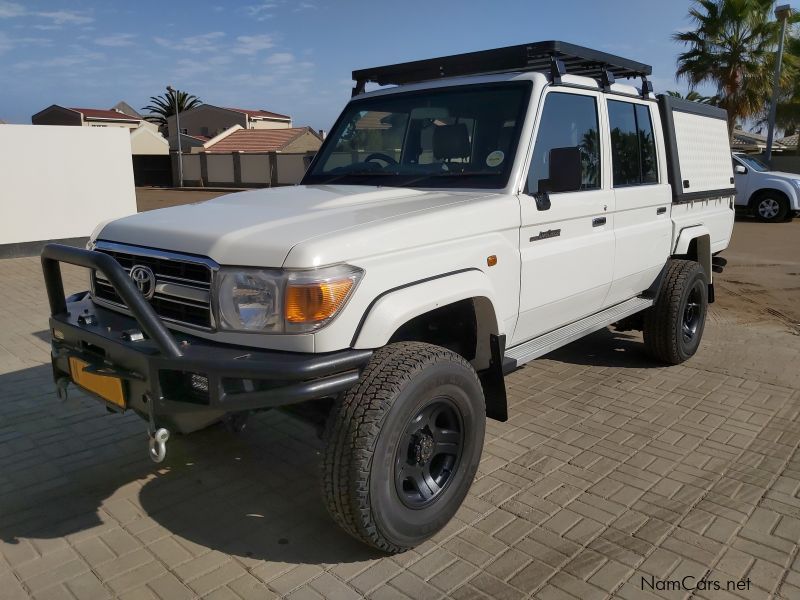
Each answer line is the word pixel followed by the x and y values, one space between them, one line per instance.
pixel 491 260
pixel 314 302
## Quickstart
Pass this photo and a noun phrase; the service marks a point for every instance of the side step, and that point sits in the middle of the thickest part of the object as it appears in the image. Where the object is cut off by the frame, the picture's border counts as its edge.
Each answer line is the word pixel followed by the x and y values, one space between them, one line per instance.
pixel 527 351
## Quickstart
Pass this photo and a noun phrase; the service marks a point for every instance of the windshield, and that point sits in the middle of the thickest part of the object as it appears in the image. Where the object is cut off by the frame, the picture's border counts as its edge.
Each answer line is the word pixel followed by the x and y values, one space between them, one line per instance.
pixel 753 163
pixel 451 137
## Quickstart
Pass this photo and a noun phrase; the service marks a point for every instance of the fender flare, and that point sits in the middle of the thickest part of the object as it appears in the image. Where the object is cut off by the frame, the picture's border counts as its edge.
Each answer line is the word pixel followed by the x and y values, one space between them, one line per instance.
pixel 702 234
pixel 395 307
pixel 778 185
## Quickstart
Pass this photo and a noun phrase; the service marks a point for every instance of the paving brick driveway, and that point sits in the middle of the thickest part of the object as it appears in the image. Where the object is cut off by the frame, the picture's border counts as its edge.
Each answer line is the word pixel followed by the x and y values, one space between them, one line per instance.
pixel 612 474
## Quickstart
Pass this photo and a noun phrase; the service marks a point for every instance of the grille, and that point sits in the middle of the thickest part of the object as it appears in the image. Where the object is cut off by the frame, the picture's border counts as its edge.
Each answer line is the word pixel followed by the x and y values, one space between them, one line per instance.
pixel 182 290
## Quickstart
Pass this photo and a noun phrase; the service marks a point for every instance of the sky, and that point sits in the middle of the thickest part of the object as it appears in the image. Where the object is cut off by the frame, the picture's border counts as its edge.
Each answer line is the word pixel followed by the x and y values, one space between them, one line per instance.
pixel 291 57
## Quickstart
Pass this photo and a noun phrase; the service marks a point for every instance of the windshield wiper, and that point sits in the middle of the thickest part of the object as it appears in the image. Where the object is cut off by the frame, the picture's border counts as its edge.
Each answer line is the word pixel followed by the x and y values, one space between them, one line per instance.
pixel 360 174
pixel 450 174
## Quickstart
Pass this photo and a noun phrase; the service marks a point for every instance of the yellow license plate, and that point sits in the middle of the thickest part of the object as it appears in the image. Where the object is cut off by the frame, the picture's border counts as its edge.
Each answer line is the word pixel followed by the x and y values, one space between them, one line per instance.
pixel 107 387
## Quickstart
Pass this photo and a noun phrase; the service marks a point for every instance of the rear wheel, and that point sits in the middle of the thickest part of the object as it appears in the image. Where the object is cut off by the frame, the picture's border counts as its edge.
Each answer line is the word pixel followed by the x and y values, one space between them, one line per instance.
pixel 403 445
pixel 770 207
pixel 674 325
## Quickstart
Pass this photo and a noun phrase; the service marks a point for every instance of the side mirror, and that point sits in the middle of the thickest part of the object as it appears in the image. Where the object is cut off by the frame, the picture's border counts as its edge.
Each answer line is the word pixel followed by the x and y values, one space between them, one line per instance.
pixel 739 170
pixel 565 170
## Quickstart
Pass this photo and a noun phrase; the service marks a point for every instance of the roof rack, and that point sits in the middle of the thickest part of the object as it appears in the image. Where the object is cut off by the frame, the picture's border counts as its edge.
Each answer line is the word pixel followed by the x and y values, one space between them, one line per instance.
pixel 555 57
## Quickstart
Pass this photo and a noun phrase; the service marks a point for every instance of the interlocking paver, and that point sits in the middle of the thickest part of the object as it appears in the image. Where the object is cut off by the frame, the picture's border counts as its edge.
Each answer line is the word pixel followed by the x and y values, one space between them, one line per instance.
pixel 610 469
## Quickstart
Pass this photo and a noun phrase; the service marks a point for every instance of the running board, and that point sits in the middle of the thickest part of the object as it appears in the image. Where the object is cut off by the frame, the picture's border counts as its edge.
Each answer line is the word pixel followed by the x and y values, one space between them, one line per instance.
pixel 526 352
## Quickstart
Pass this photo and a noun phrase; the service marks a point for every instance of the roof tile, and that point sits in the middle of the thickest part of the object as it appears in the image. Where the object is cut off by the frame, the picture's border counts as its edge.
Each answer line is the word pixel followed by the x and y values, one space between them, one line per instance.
pixel 257 140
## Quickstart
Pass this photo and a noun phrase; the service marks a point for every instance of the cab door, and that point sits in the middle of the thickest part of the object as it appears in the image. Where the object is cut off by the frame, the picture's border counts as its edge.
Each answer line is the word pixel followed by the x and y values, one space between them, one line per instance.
pixel 567 230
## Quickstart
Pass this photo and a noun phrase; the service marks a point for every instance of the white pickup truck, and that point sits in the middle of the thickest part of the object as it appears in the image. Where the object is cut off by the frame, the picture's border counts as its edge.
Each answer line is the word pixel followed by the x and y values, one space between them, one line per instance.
pixel 487 209
pixel 771 196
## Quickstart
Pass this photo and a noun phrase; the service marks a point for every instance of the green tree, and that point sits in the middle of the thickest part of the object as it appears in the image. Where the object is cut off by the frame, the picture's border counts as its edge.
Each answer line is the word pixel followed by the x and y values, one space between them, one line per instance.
pixel 695 96
pixel 788 113
pixel 163 106
pixel 732 47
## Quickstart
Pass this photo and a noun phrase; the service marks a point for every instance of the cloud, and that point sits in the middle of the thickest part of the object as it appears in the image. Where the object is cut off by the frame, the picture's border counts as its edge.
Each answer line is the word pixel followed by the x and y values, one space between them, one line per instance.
pixel 5 43
pixel 261 12
pixel 65 17
pixel 9 10
pixel 55 18
pixel 280 58
pixel 116 40
pixel 206 42
pixel 61 62
pixel 252 44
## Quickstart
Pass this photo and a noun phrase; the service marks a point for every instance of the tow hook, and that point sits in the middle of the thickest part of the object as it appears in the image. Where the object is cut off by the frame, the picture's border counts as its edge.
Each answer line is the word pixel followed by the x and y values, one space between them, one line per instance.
pixel 158 445
pixel 62 392
pixel 61 388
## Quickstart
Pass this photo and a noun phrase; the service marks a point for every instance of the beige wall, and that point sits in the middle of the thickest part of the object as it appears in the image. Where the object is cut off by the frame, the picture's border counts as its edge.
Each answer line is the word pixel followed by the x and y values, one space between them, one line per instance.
pixel 100 123
pixel 145 141
pixel 255 168
pixel 291 168
pixel 59 182
pixel 307 142
pixel 266 124
pixel 191 167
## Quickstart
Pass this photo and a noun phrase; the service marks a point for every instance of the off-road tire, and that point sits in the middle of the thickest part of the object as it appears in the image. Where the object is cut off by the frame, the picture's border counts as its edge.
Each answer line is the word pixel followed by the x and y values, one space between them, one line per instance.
pixel 364 434
pixel 664 322
pixel 775 209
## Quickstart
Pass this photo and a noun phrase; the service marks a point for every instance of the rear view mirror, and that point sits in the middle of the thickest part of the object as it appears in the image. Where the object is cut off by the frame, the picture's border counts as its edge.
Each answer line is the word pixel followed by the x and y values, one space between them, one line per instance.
pixel 739 170
pixel 565 170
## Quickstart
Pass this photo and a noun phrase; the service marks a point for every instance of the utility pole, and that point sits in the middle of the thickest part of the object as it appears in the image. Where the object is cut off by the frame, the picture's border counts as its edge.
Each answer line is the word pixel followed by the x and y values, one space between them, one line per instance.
pixel 171 90
pixel 782 14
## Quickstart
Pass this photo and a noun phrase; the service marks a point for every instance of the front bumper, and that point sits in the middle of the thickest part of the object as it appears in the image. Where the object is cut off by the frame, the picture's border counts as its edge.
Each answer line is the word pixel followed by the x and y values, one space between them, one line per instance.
pixel 176 380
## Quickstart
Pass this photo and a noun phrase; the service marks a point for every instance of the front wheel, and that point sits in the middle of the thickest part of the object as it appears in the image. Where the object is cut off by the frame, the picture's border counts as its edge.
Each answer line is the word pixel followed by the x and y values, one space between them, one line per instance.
pixel 674 325
pixel 403 445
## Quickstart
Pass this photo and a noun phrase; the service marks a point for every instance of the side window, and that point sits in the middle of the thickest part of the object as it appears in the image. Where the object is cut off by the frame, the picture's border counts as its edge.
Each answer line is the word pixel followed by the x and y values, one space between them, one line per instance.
pixel 633 147
pixel 568 123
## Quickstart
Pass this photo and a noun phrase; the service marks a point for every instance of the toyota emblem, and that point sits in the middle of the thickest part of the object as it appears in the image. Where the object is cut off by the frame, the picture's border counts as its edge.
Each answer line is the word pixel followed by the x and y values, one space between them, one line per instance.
pixel 145 280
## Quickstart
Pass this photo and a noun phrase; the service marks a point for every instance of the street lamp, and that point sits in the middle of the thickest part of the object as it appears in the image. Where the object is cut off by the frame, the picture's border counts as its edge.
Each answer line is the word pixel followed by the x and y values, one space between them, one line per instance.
pixel 172 91
pixel 782 14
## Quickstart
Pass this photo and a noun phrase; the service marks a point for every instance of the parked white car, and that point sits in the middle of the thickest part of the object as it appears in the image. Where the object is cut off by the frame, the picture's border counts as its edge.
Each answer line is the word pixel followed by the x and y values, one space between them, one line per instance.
pixel 770 196
pixel 485 210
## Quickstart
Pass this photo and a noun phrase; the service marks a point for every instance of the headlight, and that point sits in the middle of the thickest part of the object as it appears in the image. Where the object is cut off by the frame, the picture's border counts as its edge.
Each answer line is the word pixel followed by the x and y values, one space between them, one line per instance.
pixel 274 301
pixel 249 300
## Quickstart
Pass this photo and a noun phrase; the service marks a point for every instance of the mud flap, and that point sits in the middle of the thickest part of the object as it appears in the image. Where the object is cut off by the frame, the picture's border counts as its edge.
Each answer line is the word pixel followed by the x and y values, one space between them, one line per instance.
pixel 493 380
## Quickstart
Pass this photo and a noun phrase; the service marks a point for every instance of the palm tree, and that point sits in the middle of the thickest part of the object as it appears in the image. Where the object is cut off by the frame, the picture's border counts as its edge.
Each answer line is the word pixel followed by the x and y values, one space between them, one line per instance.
pixel 733 49
pixel 163 106
pixel 788 113
pixel 695 96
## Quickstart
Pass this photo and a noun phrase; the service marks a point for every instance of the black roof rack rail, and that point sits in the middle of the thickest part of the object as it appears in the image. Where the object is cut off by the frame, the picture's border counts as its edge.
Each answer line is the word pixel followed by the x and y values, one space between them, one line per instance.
pixel 537 56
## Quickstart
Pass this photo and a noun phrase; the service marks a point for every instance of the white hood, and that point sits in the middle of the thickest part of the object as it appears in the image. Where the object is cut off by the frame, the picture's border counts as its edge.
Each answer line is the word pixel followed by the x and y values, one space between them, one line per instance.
pixel 260 227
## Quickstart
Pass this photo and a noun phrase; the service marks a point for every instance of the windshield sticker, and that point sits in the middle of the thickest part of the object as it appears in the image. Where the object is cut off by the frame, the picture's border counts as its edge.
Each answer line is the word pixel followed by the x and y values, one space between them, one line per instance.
pixel 495 158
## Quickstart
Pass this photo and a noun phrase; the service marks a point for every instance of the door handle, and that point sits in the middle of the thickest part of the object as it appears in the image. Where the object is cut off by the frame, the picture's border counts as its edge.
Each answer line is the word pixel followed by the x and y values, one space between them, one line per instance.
pixel 661 210
pixel 598 221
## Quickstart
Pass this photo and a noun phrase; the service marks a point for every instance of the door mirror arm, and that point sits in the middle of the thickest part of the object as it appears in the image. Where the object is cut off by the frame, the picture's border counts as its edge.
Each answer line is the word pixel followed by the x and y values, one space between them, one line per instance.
pixel 542 200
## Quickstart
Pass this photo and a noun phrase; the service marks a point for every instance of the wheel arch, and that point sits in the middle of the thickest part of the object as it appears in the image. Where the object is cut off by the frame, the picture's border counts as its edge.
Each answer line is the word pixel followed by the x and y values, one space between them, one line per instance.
pixel 464 303
pixel 396 308
pixel 761 192
pixel 694 243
